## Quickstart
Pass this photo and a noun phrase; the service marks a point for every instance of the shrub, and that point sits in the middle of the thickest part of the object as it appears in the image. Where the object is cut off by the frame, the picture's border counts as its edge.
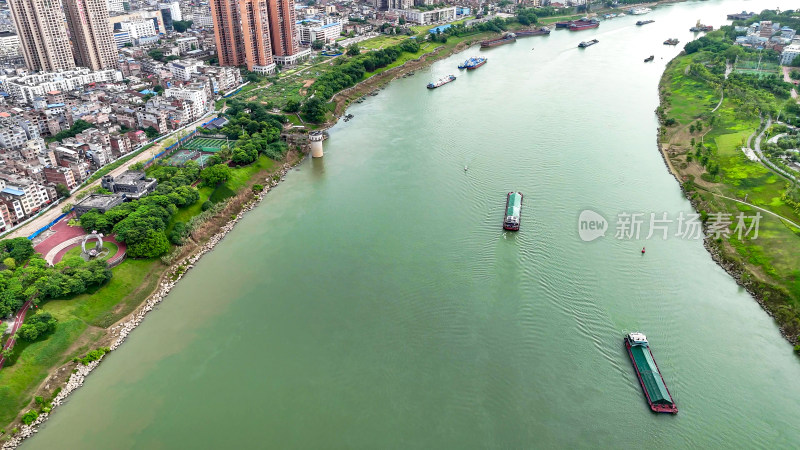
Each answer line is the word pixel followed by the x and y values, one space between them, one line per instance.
pixel 29 417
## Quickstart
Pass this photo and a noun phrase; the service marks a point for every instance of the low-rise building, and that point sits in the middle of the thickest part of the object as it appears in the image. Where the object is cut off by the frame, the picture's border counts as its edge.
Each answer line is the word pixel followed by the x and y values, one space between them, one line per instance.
pixel 132 184
pixel 789 53
pixel 100 202
pixel 438 15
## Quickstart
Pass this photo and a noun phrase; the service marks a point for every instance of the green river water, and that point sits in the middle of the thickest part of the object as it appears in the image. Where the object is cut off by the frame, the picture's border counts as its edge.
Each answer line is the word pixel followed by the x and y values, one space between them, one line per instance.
pixel 373 301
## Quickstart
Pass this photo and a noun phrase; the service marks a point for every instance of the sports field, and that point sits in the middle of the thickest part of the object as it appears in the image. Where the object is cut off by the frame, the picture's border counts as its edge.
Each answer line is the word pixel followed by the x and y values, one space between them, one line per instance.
pixel 204 144
pixel 180 157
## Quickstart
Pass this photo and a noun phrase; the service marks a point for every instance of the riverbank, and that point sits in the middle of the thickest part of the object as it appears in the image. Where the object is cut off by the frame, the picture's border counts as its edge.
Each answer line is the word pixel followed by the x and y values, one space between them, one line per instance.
pixel 701 136
pixel 72 375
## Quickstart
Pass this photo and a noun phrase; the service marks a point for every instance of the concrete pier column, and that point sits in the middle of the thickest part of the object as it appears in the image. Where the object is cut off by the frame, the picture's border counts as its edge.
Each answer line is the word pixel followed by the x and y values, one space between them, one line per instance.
pixel 315 140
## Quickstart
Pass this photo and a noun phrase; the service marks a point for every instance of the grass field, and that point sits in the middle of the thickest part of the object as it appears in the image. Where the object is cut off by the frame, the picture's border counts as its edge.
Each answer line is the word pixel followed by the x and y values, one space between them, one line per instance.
pixel 132 281
pixel 774 257
pixel 110 246
pixel 205 144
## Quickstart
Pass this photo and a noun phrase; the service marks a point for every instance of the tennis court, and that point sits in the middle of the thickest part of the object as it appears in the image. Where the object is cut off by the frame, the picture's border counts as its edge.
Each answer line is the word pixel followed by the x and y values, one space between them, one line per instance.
pixel 180 157
pixel 205 144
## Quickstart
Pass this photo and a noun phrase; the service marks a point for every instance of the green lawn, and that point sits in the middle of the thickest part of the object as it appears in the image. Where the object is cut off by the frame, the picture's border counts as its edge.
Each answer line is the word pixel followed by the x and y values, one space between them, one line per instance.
pixel 110 246
pixel 240 176
pixel 132 280
pixel 776 252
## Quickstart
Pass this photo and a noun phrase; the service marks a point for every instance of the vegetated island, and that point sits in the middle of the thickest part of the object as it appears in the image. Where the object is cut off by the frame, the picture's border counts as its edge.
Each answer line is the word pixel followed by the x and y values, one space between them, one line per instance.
pixel 80 309
pixel 721 137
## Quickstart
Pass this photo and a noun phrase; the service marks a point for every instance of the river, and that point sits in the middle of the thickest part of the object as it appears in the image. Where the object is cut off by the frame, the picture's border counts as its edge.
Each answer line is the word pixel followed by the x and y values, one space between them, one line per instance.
pixel 372 300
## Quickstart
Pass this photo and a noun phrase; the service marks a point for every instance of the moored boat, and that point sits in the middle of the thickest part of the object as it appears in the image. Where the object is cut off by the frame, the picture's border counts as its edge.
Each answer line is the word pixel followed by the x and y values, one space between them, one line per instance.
pixel 473 63
pixel 540 32
pixel 585 44
pixel 650 378
pixel 580 25
pixel 513 211
pixel 649 58
pixel 671 41
pixel 441 81
pixel 700 27
pixel 507 39
pixel 563 24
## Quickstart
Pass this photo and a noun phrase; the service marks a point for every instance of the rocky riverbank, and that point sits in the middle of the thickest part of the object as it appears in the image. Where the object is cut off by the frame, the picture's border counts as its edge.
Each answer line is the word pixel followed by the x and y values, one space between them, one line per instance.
pixel 121 331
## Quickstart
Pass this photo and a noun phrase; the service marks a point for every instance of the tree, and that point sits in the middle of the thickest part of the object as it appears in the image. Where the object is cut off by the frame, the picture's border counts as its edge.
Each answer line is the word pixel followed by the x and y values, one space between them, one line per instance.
pixel 158 88
pixel 353 49
pixel 795 61
pixel 156 54
pixel 62 191
pixel 151 132
pixel 154 243
pixel 216 174
pixel 317 44
pixel 181 25
pixel 314 110
pixel 292 106
pixel 402 20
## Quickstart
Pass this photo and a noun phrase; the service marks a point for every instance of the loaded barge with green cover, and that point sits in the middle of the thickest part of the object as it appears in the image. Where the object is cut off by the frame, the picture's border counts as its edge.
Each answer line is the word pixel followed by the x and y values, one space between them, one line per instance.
pixel 650 378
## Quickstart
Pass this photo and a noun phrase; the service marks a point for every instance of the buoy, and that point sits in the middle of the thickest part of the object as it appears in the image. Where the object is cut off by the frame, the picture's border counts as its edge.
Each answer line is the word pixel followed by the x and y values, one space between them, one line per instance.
pixel 642 249
pixel 465 168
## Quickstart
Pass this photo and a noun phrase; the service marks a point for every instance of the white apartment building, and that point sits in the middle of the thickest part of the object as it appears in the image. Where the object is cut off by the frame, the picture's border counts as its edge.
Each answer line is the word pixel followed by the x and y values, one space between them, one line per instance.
pixel 9 44
pixel 313 30
pixel 183 70
pixel 185 44
pixel 428 17
pixel 115 6
pixel 789 54
pixel 198 97
pixel 26 88
pixel 138 28
pixel 29 195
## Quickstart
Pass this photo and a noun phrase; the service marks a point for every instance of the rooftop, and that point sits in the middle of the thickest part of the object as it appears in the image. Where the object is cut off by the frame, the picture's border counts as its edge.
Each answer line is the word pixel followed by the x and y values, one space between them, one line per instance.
pixel 100 201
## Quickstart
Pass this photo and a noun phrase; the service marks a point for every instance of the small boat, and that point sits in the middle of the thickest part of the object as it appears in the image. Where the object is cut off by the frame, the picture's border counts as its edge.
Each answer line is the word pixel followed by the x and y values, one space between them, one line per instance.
pixel 441 81
pixel 473 63
pixel 585 44
pixel 513 211
pixel 649 58
pixel 671 41
pixel 698 27
pixel 653 385
pixel 644 22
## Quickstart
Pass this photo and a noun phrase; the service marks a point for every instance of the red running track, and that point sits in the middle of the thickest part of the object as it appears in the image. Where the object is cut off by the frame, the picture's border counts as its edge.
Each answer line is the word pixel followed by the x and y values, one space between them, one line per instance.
pixel 17 323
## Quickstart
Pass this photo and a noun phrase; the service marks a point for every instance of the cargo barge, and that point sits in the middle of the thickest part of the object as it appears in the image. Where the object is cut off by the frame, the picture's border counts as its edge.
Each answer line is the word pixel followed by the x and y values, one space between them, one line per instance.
pixel 473 63
pixel 507 39
pixel 513 211
pixel 585 44
pixel 700 27
pixel 653 385
pixel 671 41
pixel 581 25
pixel 644 22
pixel 442 82
pixel 540 32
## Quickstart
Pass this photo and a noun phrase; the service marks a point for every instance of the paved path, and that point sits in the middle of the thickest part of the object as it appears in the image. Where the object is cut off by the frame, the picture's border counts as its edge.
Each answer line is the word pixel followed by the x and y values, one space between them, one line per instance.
pixel 764 160
pixel 17 323
pixel 756 207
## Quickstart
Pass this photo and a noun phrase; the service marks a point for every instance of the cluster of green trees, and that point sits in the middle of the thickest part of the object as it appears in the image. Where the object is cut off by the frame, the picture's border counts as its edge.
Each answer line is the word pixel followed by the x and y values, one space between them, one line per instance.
pixel 141 224
pixel 351 72
pixel 36 326
pixel 25 275
pixel 158 55
pixel 527 16
pixel 181 25
pixel 77 127
pixel 253 130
